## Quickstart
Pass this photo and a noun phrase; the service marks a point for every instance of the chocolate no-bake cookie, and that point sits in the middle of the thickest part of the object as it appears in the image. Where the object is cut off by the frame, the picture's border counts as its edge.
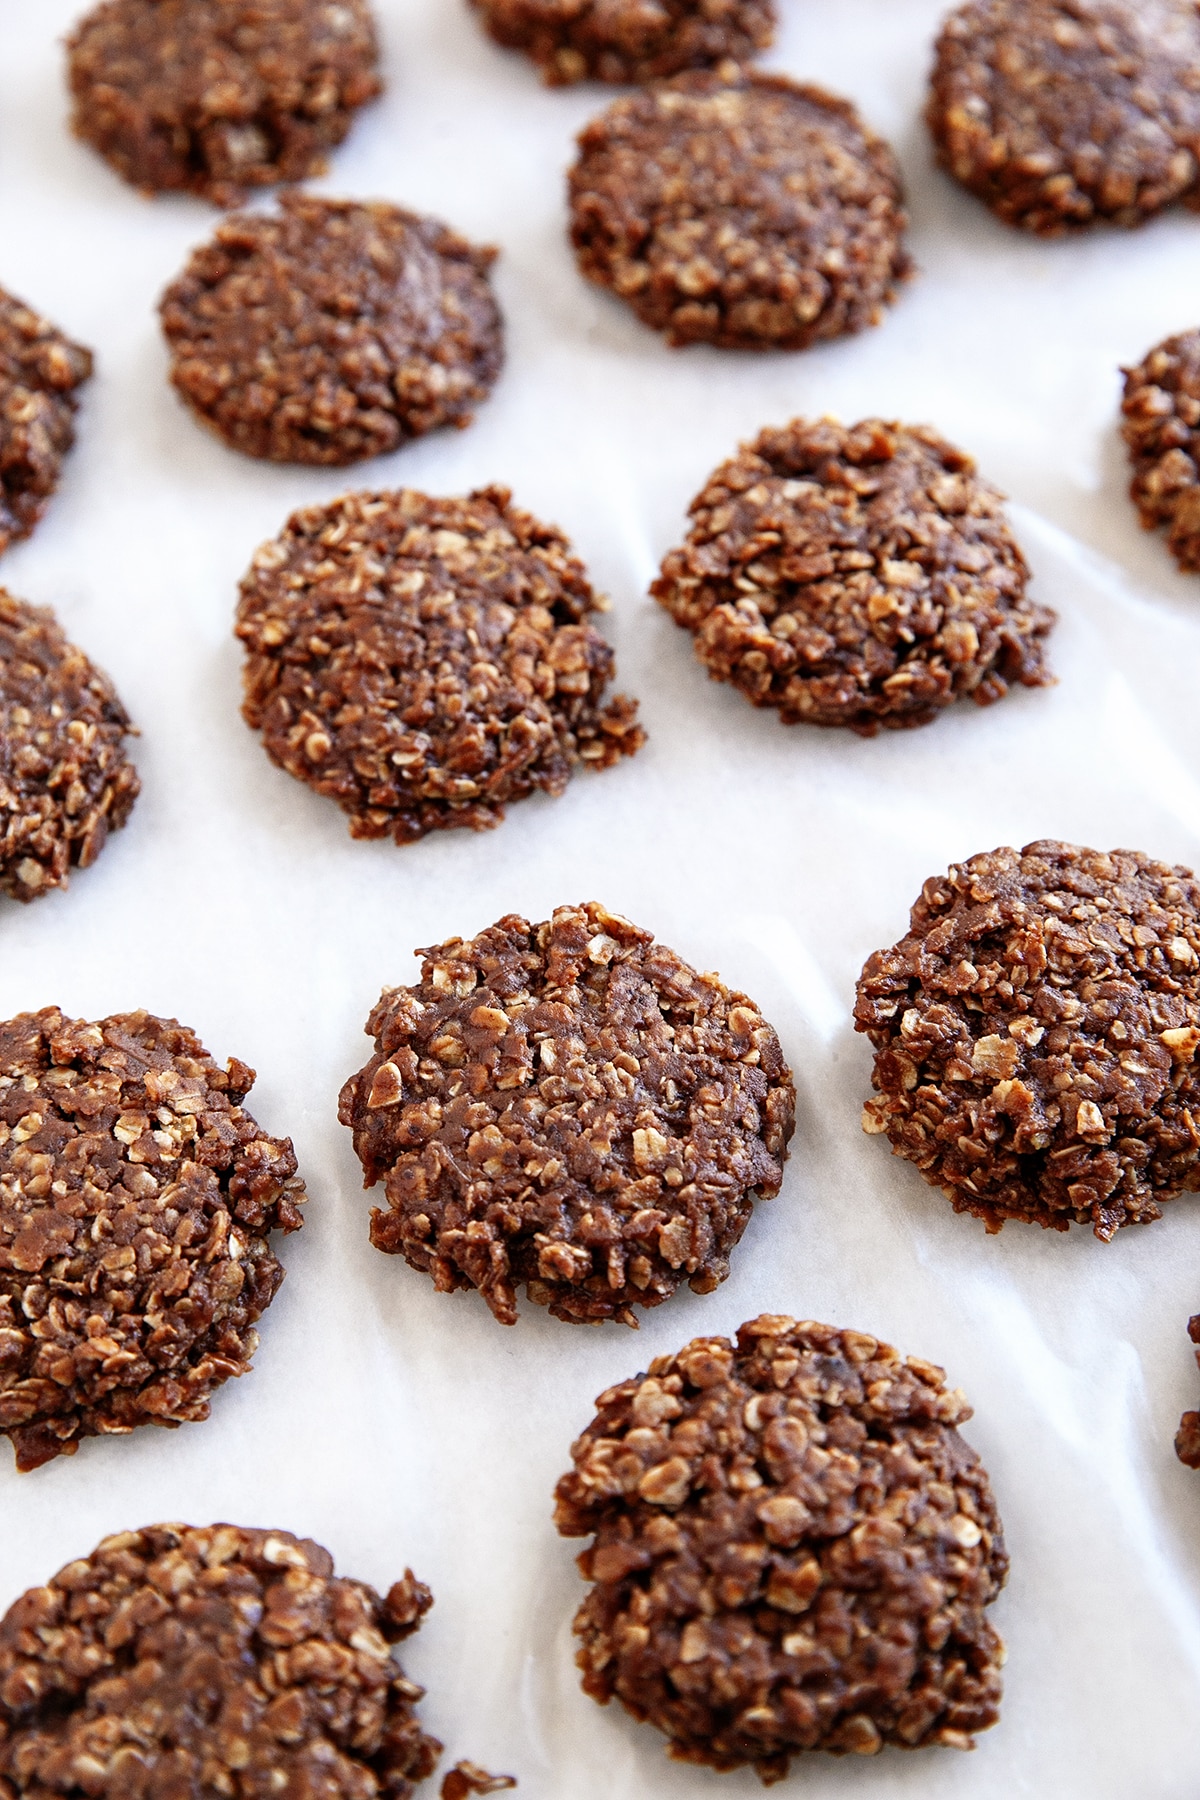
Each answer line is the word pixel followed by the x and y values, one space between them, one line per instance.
pixel 136 1199
pixel 40 373
pixel 1060 113
pixel 571 1106
pixel 65 780
pixel 855 575
pixel 1161 426
pixel 423 661
pixel 628 40
pixel 220 96
pixel 217 1660
pixel 792 1550
pixel 739 209
pixel 331 330
pixel 1187 1438
pixel 1036 1032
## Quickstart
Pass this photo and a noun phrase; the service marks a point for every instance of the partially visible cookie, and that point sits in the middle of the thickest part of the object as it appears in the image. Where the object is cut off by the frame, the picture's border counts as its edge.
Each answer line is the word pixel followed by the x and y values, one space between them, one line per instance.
pixel 220 96
pixel 1060 113
pixel 1036 1035
pixel 628 40
pixel 65 778
pixel 189 1661
pixel 137 1196
pixel 40 373
pixel 739 209
pixel 1187 1438
pixel 332 330
pixel 426 661
pixel 570 1107
pixel 792 1549
pixel 855 575
pixel 1161 426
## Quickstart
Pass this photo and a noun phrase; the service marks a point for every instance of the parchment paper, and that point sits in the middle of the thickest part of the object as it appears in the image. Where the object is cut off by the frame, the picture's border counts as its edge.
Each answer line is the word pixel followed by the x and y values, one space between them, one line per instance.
pixel 399 1426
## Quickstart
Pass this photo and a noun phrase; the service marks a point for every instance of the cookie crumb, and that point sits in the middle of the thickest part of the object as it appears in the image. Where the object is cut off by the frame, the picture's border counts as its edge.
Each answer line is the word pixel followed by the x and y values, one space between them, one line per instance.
pixel 467 1778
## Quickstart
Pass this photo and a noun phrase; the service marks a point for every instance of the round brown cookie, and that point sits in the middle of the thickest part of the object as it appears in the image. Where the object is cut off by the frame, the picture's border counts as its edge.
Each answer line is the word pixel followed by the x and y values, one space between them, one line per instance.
pixel 220 96
pixel 568 1105
pixel 739 209
pixel 187 1661
pixel 1058 113
pixel 1035 1036
pixel 1161 426
pixel 792 1550
pixel 40 371
pixel 423 662
pixel 332 330
pixel 628 40
pixel 1187 1438
pixel 136 1199
pixel 855 575
pixel 65 780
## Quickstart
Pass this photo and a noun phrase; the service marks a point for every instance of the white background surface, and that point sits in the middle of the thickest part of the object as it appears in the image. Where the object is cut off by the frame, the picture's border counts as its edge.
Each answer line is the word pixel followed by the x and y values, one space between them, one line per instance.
pixel 399 1426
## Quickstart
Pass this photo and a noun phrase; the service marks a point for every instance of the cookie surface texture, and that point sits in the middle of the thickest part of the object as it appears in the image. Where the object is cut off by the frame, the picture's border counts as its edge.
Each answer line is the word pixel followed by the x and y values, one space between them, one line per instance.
pixel 739 209
pixel 424 662
pixel 210 1660
pixel 217 97
pixel 628 40
pixel 1062 113
pixel 330 331
pixel 792 1550
pixel 1035 1036
pixel 136 1199
pixel 855 575
pixel 41 372
pixel 65 779
pixel 1161 427
pixel 569 1106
